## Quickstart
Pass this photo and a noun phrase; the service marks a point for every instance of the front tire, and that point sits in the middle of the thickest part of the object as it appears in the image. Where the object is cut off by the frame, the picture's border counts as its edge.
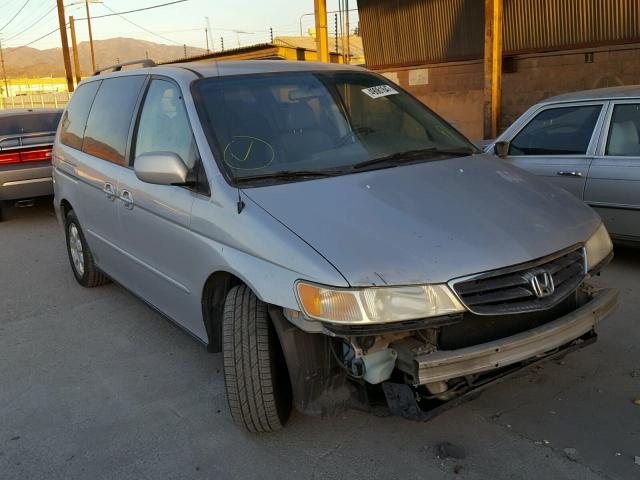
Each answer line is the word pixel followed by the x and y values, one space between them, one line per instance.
pixel 256 377
pixel 82 263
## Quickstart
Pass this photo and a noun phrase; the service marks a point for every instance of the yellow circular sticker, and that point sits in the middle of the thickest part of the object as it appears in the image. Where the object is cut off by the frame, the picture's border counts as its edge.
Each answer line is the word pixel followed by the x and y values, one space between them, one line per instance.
pixel 244 152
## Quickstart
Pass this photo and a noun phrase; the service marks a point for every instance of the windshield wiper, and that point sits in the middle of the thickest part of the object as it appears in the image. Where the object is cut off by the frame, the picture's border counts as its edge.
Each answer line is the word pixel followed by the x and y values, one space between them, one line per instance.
pixel 409 155
pixel 290 174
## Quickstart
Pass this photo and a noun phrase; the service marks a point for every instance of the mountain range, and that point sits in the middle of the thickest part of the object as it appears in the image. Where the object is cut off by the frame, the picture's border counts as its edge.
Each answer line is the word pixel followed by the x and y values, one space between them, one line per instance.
pixel 30 62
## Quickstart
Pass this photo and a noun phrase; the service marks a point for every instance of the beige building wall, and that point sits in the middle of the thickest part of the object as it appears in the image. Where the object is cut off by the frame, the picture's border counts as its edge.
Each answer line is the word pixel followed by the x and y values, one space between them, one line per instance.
pixel 455 90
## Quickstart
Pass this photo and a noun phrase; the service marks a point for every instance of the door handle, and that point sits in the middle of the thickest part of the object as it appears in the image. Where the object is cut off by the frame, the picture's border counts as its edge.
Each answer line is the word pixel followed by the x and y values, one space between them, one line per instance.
pixel 109 191
pixel 563 173
pixel 127 199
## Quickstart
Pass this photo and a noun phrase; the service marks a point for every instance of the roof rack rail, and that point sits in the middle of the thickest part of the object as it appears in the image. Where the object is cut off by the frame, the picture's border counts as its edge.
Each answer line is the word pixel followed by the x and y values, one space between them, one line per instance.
pixel 145 62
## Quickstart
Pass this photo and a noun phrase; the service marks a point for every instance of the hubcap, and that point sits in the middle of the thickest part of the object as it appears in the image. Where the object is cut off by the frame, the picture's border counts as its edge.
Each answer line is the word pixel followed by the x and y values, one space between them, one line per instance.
pixel 75 246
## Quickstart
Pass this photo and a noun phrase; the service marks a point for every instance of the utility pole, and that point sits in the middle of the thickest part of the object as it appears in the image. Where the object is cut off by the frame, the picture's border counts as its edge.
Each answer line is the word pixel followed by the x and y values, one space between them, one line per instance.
pixel 222 43
pixel 4 72
pixel 184 46
pixel 74 49
pixel 341 30
pixel 271 33
pixel 322 36
pixel 93 55
pixel 492 66
pixel 210 41
pixel 348 52
pixel 335 22
pixel 206 38
pixel 65 46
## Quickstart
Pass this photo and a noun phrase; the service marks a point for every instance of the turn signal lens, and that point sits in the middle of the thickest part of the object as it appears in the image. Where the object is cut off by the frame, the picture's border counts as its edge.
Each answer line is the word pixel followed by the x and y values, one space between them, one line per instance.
pixel 376 304
pixel 598 247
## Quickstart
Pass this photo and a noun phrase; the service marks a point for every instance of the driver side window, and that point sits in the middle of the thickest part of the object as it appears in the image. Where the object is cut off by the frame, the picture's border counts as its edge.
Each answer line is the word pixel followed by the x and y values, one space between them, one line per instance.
pixel 164 125
pixel 557 131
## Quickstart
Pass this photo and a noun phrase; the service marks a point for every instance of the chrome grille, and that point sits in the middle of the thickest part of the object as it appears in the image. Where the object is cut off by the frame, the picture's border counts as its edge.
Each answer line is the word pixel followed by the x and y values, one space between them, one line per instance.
pixel 512 291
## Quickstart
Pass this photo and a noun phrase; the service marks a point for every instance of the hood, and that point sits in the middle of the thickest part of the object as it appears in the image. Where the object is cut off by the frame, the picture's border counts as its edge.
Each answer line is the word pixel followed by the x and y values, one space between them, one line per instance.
pixel 429 222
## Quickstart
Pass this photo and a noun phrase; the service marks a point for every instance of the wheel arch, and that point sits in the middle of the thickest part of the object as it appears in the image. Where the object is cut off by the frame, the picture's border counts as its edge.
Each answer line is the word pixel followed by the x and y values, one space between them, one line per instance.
pixel 65 207
pixel 214 293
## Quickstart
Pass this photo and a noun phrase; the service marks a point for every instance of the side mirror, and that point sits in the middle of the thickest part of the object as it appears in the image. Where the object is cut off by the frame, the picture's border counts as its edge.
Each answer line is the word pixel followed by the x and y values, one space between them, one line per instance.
pixel 160 168
pixel 502 148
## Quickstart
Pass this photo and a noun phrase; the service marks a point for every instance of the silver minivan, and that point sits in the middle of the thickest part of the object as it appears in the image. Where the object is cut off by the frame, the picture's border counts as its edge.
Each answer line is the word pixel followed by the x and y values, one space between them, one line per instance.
pixel 337 241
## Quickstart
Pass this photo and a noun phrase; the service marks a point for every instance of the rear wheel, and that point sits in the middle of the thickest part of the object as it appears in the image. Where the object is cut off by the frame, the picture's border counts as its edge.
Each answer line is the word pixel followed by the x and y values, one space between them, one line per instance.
pixel 256 377
pixel 82 263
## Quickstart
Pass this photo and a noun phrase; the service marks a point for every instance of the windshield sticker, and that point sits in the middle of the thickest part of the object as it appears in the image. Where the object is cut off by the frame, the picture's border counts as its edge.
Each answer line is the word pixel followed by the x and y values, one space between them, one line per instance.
pixel 244 152
pixel 380 91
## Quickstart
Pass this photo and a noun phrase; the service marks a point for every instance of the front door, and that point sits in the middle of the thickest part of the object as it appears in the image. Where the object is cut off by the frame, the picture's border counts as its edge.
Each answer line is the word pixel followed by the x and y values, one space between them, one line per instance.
pixel 557 143
pixel 155 219
pixel 613 184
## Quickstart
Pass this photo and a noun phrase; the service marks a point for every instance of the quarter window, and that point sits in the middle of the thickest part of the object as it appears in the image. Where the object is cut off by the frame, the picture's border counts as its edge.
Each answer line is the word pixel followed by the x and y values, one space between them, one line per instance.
pixel 557 131
pixel 110 118
pixel 624 139
pixel 164 125
pixel 75 116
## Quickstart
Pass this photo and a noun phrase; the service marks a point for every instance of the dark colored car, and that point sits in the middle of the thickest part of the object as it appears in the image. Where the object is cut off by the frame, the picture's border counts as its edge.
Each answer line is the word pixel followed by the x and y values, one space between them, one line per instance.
pixel 26 139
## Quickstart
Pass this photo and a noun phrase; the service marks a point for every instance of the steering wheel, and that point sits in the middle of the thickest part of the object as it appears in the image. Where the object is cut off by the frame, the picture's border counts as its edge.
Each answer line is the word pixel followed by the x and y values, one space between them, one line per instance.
pixel 364 131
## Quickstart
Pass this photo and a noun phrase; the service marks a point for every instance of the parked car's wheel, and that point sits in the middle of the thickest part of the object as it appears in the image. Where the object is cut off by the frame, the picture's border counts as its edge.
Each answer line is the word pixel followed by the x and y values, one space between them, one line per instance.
pixel 256 377
pixel 84 268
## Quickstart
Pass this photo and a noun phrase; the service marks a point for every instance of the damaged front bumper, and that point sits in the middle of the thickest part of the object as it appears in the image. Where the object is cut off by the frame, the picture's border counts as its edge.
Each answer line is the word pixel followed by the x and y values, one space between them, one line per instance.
pixel 444 365
pixel 428 380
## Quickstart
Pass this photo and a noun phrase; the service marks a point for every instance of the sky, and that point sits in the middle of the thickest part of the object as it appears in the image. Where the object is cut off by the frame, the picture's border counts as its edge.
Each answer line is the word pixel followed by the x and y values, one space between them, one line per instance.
pixel 243 22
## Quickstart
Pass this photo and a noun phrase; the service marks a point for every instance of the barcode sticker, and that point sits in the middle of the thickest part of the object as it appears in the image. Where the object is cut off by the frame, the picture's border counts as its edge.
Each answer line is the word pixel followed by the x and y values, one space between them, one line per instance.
pixel 380 91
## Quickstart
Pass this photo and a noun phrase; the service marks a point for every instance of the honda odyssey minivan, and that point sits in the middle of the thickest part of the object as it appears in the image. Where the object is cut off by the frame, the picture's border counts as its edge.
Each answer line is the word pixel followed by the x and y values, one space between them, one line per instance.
pixel 336 240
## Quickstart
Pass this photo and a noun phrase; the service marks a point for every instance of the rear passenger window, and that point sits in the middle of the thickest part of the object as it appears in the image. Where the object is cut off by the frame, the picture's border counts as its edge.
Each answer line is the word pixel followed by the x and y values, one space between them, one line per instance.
pixel 75 117
pixel 557 131
pixel 624 136
pixel 110 118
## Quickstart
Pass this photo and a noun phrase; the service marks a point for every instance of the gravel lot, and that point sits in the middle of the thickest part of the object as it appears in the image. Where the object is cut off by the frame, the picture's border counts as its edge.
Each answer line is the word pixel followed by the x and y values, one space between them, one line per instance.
pixel 94 384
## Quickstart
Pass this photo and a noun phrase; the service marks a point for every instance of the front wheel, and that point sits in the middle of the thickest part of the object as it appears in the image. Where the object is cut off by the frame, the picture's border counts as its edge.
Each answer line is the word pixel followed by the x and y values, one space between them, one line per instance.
pixel 82 263
pixel 256 377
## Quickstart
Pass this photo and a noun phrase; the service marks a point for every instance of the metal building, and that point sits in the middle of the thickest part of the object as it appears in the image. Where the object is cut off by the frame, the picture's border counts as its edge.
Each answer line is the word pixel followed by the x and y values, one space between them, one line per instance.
pixel 442 51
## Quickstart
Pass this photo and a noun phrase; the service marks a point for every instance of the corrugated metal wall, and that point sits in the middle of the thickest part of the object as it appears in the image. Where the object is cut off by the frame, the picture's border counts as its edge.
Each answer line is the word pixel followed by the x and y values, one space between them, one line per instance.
pixel 544 24
pixel 420 31
pixel 411 32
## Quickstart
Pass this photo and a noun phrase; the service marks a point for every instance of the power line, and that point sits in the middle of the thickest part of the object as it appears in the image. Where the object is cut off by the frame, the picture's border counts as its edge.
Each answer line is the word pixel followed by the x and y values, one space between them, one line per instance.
pixel 132 11
pixel 141 27
pixel 32 25
pixel 29 15
pixel 33 41
pixel 99 16
pixel 14 17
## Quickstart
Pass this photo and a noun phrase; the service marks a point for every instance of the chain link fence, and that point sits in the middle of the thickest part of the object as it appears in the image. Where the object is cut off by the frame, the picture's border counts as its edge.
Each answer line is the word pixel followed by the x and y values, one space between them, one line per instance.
pixel 35 100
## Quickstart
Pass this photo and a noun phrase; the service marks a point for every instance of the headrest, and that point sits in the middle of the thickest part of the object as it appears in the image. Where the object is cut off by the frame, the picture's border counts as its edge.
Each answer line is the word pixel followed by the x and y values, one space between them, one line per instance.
pixel 300 116
pixel 624 138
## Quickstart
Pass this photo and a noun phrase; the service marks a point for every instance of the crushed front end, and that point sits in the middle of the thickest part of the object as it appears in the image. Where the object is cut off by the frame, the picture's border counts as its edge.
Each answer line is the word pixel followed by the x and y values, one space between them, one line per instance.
pixel 512 318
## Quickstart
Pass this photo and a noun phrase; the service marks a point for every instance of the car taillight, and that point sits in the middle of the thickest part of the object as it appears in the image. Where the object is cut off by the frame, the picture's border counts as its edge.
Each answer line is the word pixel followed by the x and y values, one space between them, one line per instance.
pixel 39 155
pixel 6 158
pixel 36 155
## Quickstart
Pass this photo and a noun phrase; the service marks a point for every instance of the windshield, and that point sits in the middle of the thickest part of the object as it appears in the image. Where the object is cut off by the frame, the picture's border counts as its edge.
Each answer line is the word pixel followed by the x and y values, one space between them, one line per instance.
pixel 306 123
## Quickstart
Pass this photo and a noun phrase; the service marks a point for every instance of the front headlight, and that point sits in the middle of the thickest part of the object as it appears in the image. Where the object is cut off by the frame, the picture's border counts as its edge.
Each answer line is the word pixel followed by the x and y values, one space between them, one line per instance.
pixel 375 304
pixel 598 247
